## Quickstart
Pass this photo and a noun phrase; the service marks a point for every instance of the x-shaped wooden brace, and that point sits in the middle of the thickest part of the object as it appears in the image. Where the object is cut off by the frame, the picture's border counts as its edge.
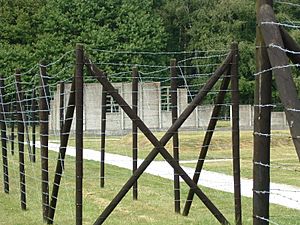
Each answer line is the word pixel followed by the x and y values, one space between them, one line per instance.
pixel 159 144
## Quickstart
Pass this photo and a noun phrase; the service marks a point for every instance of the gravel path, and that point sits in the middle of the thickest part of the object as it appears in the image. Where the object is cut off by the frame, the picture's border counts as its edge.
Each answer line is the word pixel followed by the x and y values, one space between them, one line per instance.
pixel 281 194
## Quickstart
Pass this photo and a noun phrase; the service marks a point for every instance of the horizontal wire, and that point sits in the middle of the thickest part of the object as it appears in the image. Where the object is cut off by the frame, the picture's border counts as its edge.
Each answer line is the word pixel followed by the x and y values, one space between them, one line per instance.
pixel 276 68
pixel 287 3
pixel 265 219
pixel 281 24
pixel 283 49
pixel 154 53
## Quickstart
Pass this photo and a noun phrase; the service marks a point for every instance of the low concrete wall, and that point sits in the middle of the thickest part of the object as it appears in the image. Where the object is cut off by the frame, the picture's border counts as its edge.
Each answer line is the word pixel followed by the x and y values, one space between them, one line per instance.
pixel 246 116
pixel 204 115
pixel 149 110
pixel 278 120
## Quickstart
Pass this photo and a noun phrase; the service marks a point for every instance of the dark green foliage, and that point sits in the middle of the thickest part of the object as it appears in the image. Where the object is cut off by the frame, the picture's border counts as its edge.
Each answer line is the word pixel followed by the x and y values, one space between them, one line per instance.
pixel 32 30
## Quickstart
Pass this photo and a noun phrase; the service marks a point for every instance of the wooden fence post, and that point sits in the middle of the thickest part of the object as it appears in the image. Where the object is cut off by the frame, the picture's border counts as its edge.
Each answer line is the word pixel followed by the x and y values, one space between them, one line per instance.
pixel 33 122
pixel 12 131
pixel 61 106
pixel 175 139
pixel 262 125
pixel 135 84
pixel 236 134
pixel 44 137
pixel 19 98
pixel 103 136
pixel 79 130
pixel 4 139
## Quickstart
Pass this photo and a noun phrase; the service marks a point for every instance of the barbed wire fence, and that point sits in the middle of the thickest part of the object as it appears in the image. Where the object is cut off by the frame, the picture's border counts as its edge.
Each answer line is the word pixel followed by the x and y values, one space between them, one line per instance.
pixel 55 135
pixel 25 103
pixel 42 105
pixel 167 106
pixel 274 46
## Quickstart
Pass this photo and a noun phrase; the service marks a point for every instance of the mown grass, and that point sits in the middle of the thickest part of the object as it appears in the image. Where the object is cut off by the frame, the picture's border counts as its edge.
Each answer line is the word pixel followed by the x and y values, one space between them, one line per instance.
pixel 155 204
pixel 285 166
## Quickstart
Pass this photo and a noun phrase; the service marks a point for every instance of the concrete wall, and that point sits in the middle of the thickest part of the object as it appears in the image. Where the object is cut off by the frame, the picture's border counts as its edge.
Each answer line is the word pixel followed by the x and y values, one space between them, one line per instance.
pixel 246 116
pixel 204 115
pixel 149 110
pixel 278 120
pixel 150 104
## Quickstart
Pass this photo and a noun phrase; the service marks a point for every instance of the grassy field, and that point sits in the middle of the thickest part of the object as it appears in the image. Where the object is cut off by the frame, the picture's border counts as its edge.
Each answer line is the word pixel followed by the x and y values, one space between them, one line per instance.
pixel 285 166
pixel 155 204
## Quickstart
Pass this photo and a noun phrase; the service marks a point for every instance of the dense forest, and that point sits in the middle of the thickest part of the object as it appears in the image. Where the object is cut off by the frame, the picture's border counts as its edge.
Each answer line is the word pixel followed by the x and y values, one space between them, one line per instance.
pixel 32 30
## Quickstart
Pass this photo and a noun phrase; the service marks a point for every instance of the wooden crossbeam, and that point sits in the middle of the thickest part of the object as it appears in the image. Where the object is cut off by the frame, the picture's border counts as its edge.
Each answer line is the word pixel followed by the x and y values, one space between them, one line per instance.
pixel 206 141
pixel 291 45
pixel 159 144
pixel 62 153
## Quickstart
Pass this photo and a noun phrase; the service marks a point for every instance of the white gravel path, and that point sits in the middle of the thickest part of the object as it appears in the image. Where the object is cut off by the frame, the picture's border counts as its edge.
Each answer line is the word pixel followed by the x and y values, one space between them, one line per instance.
pixel 281 194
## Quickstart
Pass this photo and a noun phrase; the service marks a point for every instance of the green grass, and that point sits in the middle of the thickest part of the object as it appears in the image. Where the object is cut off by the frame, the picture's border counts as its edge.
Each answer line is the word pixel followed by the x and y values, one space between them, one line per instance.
pixel 153 207
pixel 285 166
pixel 155 204
pixel 190 143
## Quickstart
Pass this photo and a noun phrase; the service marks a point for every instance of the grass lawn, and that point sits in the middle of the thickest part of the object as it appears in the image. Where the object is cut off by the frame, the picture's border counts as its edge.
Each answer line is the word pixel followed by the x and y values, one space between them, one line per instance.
pixel 285 167
pixel 155 204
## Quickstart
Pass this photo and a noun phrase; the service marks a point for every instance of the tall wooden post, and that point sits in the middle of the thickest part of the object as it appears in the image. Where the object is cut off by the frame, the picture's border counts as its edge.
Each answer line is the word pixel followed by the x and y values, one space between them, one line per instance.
pixel 175 136
pixel 44 138
pixel 262 127
pixel 103 136
pixel 33 113
pixel 4 139
pixel 79 131
pixel 134 128
pixel 26 124
pixel 236 134
pixel 19 98
pixel 12 131
pixel 61 106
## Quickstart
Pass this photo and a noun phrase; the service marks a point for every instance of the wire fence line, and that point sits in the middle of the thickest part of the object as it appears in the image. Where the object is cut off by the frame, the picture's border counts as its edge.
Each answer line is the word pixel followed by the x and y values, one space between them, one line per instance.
pixel 39 103
pixel 45 99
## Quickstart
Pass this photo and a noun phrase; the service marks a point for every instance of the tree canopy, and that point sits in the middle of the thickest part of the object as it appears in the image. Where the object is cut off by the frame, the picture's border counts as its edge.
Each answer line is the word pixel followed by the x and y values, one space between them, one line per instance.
pixel 32 30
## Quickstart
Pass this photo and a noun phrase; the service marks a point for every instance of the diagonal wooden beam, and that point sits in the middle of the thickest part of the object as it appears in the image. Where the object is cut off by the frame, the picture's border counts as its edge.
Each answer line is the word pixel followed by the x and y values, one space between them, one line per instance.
pixel 159 144
pixel 206 141
pixel 282 72
pixel 62 153
pixel 291 45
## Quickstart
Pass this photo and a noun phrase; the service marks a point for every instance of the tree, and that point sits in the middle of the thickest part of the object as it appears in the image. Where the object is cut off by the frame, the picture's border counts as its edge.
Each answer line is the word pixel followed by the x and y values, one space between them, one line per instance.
pixel 211 25
pixel 46 30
